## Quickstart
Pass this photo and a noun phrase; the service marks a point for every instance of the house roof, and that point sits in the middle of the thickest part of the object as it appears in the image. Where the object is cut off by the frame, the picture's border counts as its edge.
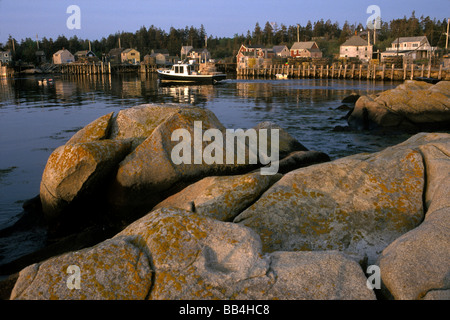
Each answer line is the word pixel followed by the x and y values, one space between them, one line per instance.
pixel 129 50
pixel 277 49
pixel 61 51
pixel 199 50
pixel 355 41
pixel 115 51
pixel 163 51
pixel 84 53
pixel 410 39
pixel 303 45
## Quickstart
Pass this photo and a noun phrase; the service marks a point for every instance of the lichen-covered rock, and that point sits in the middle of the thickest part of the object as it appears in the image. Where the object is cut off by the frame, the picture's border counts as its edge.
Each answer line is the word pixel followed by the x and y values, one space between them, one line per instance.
pixel 74 171
pixel 114 269
pixel 413 103
pixel 286 143
pixel 175 254
pixel 149 171
pixel 222 197
pixel 96 130
pixel 417 265
pixel 196 257
pixel 357 204
pixel 140 121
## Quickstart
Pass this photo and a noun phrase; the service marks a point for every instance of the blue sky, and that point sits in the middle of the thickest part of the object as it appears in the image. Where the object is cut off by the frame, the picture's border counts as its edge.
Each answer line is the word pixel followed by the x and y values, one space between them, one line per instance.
pixel 26 18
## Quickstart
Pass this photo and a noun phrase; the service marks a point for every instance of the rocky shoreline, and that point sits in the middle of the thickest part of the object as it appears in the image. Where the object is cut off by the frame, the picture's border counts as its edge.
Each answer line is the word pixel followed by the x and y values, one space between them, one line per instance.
pixel 140 227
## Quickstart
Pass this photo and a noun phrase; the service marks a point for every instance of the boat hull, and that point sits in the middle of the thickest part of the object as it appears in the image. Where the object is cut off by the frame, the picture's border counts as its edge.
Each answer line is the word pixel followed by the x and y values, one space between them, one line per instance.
pixel 196 79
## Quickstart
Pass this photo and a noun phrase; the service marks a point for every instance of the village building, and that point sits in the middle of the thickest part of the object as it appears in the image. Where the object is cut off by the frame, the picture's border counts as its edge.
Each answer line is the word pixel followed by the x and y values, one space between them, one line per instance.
pixel 40 57
pixel 410 48
pixel 185 51
pixel 200 55
pixel 114 56
pixel 356 47
pixel 250 56
pixel 281 51
pixel 63 56
pixel 164 52
pixel 131 56
pixel 159 58
pixel 5 56
pixel 307 49
pixel 85 56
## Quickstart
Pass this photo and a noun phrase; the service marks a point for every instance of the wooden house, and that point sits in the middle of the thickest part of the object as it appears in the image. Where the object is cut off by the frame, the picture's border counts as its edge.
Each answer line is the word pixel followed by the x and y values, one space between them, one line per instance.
pixel 85 56
pixel 131 56
pixel 281 51
pixel 356 47
pixel 200 55
pixel 114 56
pixel 63 56
pixel 306 49
pixel 40 57
pixel 410 48
pixel 159 58
pixel 250 56
pixel 185 51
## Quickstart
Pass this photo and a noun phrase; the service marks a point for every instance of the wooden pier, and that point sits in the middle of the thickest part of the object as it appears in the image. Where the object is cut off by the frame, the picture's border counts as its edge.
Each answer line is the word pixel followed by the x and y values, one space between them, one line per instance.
pixel 104 68
pixel 335 71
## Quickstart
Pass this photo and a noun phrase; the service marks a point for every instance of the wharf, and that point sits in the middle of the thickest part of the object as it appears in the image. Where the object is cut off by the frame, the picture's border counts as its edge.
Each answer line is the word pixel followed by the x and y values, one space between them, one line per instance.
pixel 335 71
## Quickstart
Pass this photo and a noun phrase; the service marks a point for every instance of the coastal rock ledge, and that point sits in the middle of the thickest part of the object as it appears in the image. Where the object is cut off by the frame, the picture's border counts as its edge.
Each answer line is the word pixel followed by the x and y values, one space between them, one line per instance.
pixel 308 232
pixel 413 106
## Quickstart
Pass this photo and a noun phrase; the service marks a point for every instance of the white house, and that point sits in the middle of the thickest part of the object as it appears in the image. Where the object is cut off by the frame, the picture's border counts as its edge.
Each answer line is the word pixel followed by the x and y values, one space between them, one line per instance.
pixel 356 47
pixel 411 48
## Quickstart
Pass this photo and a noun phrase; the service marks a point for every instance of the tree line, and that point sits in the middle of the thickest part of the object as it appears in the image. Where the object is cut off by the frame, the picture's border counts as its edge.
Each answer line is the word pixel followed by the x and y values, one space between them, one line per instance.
pixel 327 34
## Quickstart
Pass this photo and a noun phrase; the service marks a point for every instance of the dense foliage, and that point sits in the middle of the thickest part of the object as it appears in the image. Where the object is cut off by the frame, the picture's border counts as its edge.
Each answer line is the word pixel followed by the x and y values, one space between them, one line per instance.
pixel 328 35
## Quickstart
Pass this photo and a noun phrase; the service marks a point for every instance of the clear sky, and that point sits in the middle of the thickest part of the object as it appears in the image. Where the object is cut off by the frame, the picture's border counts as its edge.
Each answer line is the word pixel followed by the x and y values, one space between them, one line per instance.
pixel 99 18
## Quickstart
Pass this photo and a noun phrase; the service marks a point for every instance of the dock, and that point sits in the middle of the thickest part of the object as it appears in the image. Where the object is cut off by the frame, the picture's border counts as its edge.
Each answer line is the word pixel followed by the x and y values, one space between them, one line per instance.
pixel 104 68
pixel 339 71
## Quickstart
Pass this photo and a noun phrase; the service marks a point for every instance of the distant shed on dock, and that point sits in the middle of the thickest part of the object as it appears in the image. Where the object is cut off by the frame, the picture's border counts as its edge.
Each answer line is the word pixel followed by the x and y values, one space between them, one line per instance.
pixel 114 56
pixel 281 51
pixel 131 56
pixel 63 56
pixel 85 56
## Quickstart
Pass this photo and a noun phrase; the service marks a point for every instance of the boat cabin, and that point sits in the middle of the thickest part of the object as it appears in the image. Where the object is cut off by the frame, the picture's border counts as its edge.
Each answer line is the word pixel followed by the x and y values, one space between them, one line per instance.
pixel 183 69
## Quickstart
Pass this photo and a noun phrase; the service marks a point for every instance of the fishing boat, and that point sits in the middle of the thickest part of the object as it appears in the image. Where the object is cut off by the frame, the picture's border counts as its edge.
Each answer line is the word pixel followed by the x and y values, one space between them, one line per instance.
pixel 189 73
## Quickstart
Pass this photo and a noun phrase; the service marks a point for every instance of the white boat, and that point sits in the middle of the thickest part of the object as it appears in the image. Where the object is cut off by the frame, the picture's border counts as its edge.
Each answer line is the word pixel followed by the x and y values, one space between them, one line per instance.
pixel 188 73
pixel 281 76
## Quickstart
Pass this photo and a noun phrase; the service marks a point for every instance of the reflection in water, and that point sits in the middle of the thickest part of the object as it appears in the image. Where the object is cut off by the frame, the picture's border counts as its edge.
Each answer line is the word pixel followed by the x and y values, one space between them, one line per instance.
pixel 36 118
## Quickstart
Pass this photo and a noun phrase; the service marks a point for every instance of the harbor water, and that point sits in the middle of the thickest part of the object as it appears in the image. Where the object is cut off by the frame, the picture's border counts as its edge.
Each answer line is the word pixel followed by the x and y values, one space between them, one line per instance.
pixel 38 114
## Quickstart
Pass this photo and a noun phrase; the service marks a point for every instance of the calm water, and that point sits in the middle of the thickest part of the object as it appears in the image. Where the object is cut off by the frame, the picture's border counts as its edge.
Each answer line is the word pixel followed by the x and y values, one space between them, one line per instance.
pixel 35 119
